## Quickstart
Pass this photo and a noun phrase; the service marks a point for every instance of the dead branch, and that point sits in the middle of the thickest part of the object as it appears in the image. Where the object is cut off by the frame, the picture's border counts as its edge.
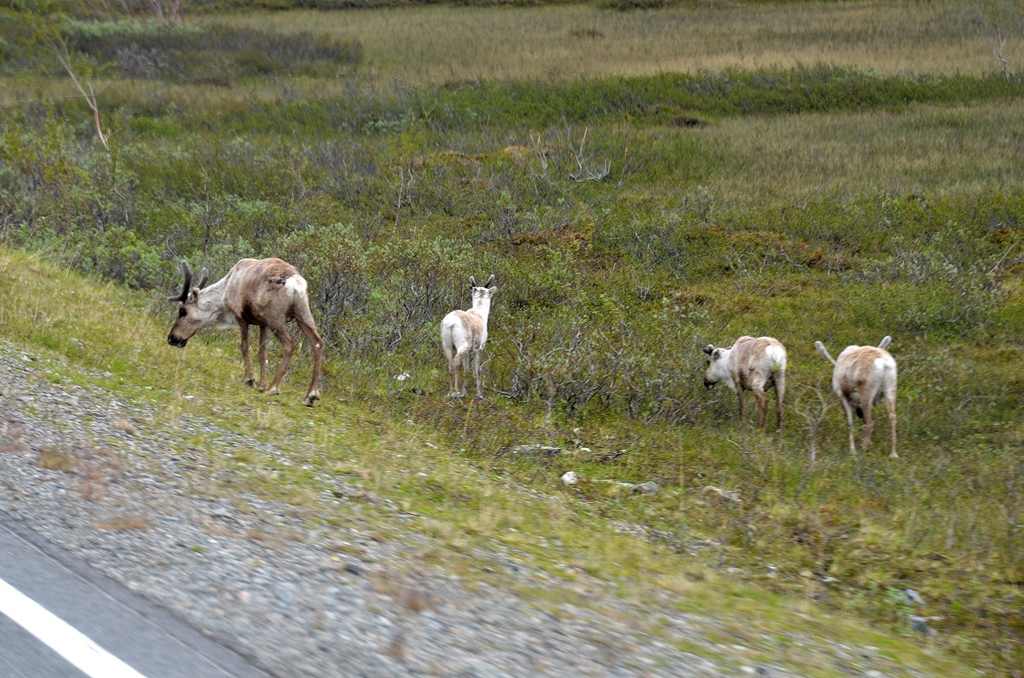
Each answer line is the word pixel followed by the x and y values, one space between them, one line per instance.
pixel 64 58
pixel 588 173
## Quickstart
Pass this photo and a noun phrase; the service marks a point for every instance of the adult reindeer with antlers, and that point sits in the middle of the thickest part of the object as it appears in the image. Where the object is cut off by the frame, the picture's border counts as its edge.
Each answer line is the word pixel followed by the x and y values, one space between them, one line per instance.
pixel 267 293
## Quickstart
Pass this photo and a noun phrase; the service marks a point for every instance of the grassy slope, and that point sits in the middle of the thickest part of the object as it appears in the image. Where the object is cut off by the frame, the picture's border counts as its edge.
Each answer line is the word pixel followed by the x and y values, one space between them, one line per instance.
pixel 556 42
pixel 101 334
pixel 871 217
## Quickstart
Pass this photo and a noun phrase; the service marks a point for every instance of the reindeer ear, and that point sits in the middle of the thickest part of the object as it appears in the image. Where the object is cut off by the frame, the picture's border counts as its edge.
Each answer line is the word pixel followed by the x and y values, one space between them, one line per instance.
pixel 472 281
pixel 709 349
pixel 489 281
pixel 885 342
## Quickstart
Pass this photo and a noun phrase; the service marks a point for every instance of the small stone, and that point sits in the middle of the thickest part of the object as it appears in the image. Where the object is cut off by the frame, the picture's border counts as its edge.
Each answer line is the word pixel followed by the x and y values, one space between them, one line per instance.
pixel 570 478
pixel 648 488
pixel 538 449
pixel 352 568
pixel 285 592
pixel 914 597
pixel 920 625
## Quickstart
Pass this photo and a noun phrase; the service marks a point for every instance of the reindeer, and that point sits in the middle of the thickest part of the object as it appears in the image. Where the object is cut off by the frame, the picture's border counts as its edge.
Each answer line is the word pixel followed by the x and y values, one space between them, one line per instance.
pixel 864 375
pixel 267 293
pixel 750 364
pixel 463 332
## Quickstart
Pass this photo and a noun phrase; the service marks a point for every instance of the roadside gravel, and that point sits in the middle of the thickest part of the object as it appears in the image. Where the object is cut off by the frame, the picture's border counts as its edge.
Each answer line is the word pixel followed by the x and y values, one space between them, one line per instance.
pixel 133 498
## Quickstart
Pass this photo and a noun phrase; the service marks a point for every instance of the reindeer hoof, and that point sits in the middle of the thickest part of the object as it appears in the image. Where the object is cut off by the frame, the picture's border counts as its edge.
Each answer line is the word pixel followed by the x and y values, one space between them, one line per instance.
pixel 273 392
pixel 250 382
pixel 310 399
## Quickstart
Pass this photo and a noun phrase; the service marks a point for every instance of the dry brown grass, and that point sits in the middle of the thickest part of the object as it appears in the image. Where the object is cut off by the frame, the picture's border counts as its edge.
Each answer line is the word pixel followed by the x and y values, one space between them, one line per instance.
pixel 441 43
pixel 124 522
pixel 93 485
pixel 124 426
pixel 805 155
pixel 55 459
pixel 11 439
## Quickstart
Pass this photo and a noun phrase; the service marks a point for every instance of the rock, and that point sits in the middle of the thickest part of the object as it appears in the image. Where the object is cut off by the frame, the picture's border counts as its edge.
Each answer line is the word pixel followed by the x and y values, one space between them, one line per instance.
pixel 914 597
pixel 352 568
pixel 920 625
pixel 570 478
pixel 285 592
pixel 720 494
pixel 538 449
pixel 648 488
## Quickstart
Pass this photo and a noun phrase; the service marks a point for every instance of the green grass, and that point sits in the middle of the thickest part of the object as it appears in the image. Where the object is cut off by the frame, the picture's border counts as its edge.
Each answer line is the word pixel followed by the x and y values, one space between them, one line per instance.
pixel 55 313
pixel 567 42
pixel 870 190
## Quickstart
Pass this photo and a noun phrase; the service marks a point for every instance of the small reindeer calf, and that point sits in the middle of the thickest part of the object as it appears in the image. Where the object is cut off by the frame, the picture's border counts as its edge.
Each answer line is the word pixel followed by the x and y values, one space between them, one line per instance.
pixel 465 332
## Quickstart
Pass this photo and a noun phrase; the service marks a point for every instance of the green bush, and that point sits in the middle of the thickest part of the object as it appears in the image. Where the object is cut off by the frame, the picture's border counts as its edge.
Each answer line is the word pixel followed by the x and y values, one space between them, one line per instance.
pixel 214 54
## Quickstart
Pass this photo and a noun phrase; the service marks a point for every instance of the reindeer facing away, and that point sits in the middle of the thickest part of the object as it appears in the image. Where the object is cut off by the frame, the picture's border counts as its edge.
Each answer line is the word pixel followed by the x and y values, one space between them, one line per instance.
pixel 465 332
pixel 865 375
pixel 267 293
pixel 755 364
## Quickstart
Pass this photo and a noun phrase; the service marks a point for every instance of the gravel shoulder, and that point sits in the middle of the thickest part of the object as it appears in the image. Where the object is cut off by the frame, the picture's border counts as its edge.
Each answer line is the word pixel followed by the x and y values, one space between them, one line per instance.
pixel 132 497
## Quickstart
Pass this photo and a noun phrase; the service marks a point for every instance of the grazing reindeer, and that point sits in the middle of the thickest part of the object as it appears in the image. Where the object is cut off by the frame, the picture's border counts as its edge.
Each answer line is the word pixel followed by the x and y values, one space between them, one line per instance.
pixel 864 375
pixel 750 364
pixel 263 292
pixel 463 332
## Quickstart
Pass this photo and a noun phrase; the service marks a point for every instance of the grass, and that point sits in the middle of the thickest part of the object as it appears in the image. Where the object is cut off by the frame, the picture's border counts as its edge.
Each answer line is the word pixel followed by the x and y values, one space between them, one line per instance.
pixel 572 41
pixel 474 513
pixel 877 192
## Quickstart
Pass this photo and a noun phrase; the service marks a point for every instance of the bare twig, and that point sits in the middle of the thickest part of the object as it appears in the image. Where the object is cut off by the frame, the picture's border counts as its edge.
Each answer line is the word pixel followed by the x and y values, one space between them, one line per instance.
pixel 813 418
pixel 588 173
pixel 64 58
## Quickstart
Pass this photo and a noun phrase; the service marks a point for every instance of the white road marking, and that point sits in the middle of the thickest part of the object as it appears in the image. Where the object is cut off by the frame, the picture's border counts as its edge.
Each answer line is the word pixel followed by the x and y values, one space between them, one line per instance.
pixel 63 638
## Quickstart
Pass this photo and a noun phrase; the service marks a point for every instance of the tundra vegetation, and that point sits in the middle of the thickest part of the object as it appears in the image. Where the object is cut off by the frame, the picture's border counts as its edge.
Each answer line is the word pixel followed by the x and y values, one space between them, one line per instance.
pixel 643 183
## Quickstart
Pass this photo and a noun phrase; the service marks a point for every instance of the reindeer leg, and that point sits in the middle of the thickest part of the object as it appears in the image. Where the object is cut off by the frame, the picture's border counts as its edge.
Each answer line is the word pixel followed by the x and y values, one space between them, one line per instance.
pixel 869 421
pixel 317 344
pixel 244 326
pixel 461 358
pixel 287 348
pixel 891 406
pixel 849 422
pixel 762 407
pixel 739 394
pixel 780 390
pixel 478 373
pixel 264 337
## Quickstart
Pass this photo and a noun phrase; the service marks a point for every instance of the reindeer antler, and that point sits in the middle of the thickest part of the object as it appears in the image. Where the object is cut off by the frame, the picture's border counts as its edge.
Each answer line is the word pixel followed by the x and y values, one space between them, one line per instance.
pixel 188 283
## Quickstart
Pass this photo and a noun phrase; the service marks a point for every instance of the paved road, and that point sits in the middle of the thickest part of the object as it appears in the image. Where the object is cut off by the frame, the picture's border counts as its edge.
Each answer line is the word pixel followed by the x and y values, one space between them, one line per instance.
pixel 59 618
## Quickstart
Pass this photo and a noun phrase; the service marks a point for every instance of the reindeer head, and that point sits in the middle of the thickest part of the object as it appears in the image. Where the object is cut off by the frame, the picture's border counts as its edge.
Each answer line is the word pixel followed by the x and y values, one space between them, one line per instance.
pixel 716 369
pixel 188 322
pixel 482 292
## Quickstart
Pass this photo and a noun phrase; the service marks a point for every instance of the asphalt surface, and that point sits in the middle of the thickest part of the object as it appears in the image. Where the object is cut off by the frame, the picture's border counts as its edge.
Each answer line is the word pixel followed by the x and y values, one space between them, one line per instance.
pixel 142 638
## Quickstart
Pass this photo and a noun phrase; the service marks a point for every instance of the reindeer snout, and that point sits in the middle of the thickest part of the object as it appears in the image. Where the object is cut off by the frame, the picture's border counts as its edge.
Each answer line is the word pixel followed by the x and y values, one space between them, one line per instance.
pixel 174 341
pixel 708 384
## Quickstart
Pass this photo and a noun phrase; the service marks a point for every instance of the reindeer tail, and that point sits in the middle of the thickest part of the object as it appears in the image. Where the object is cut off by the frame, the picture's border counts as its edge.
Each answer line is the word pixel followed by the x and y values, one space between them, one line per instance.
pixel 823 351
